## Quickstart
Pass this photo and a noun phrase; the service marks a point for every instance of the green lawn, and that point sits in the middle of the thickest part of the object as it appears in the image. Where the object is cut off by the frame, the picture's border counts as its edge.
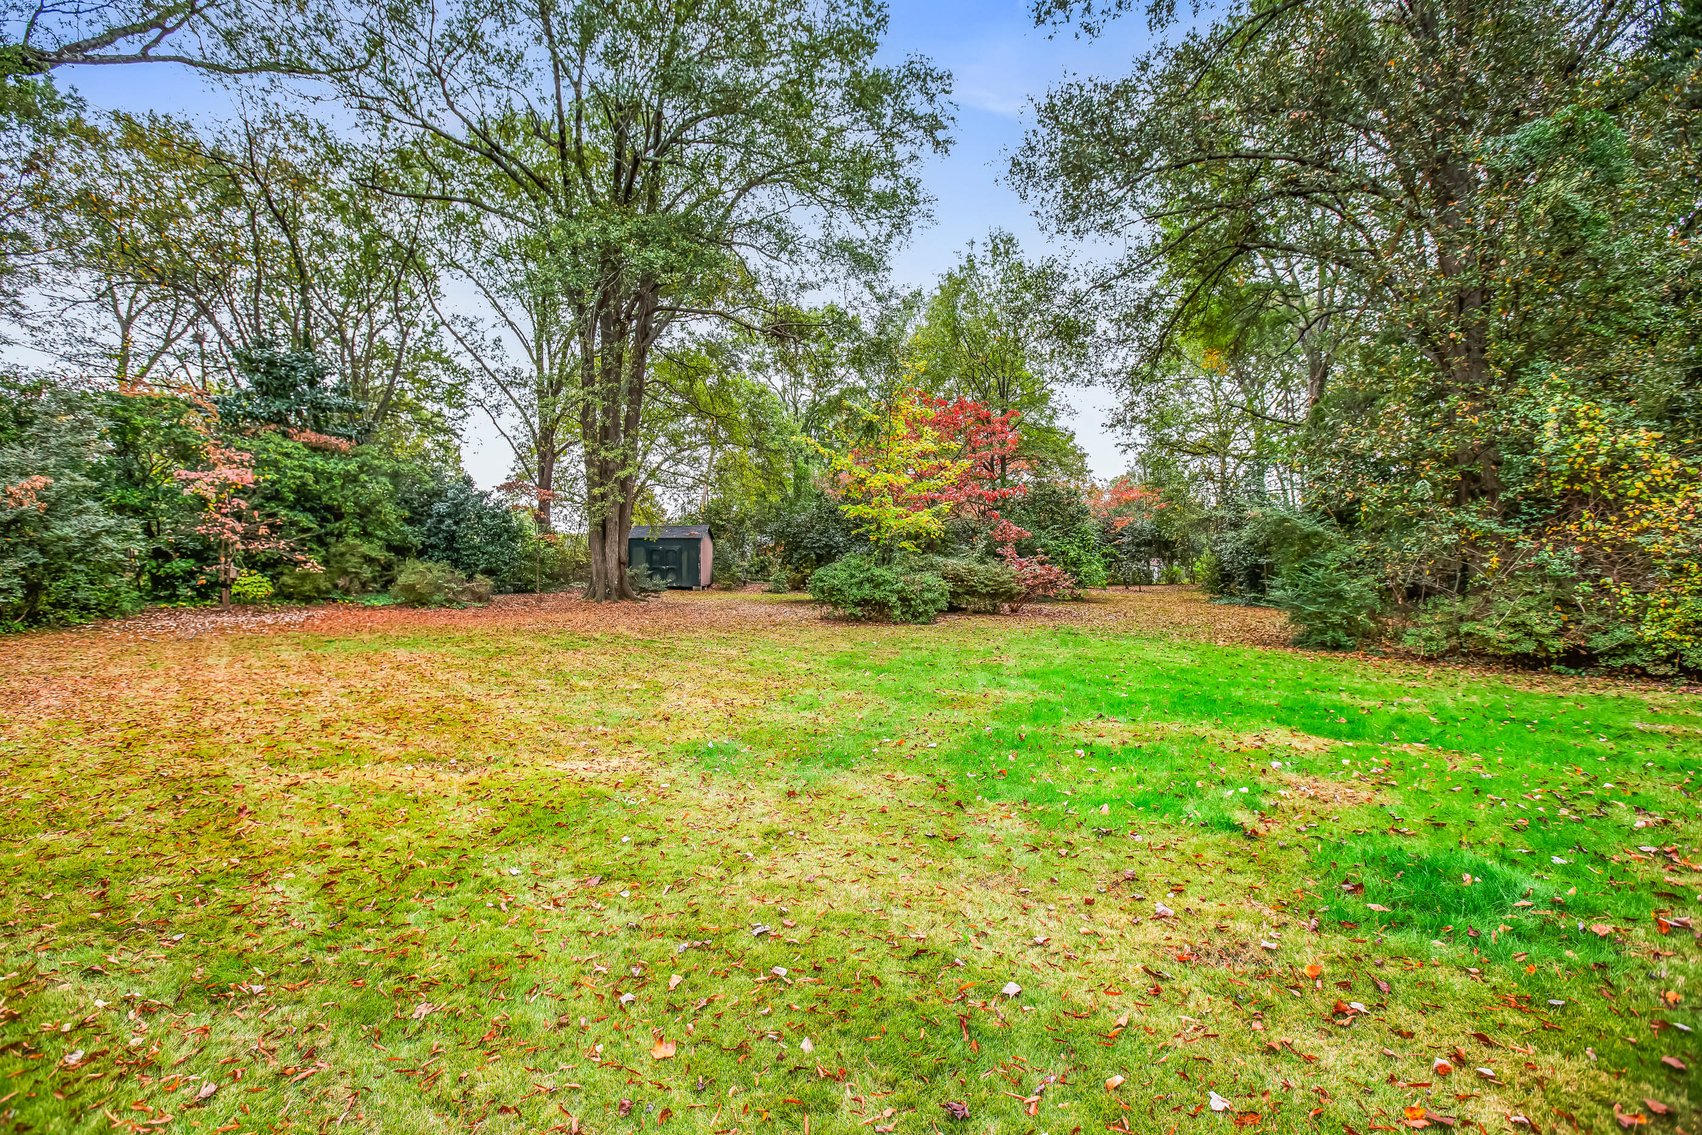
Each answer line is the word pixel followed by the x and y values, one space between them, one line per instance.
pixel 721 865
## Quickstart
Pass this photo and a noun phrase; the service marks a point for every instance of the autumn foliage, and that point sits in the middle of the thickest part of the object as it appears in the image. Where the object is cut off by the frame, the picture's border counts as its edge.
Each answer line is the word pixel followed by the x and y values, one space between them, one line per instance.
pixel 926 460
pixel 922 460
pixel 1122 501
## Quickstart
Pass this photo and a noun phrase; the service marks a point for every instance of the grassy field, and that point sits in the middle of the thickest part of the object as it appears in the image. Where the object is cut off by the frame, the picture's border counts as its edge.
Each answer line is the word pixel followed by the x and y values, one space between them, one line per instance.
pixel 719 865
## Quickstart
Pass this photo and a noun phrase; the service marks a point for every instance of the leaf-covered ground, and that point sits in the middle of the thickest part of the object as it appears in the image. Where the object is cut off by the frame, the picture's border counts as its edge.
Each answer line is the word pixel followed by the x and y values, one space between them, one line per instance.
pixel 717 864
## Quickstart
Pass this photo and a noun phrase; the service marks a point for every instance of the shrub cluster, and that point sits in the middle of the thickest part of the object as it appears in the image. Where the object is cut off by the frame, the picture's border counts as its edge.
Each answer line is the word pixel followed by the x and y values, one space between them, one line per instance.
pixel 861 588
pixel 95 520
pixel 421 583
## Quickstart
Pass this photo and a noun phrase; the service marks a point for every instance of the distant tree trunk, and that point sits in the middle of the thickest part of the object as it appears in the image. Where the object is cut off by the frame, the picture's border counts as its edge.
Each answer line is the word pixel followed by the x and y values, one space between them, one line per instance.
pixel 546 481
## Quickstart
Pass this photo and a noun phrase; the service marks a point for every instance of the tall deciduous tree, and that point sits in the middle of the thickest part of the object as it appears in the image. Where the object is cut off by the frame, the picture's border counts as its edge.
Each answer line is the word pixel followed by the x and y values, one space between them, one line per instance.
pixel 1009 334
pixel 673 160
pixel 178 250
pixel 1422 254
pixel 1358 161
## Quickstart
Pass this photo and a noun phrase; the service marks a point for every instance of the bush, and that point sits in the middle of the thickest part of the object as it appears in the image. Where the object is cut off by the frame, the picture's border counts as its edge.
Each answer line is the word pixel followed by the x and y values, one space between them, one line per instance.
pixel 644 583
pixel 64 556
pixel 981 586
pixel 549 561
pixel 860 588
pixel 1256 541
pixel 322 498
pixel 421 583
pixel 1080 553
pixel 1330 600
pixel 299 585
pixel 810 534
pixel 1037 579
pixel 456 523
pixel 1524 616
pixel 357 567
pixel 251 587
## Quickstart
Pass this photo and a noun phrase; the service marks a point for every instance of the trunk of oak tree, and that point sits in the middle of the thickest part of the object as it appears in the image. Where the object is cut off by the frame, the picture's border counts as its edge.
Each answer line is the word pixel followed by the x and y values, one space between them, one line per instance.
pixel 615 356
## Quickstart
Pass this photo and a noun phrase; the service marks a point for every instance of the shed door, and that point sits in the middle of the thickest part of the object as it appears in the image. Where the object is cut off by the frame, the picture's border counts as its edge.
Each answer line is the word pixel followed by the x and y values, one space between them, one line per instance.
pixel 667 564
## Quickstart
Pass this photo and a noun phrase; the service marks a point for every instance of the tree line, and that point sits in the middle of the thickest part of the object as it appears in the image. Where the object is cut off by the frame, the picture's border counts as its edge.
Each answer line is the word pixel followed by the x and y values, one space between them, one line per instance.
pixel 608 227
pixel 1406 311
pixel 1399 310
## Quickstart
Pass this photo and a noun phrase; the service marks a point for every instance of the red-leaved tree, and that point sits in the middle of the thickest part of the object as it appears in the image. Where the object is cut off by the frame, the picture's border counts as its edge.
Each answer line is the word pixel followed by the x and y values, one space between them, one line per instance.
pixel 1122 501
pixel 223 485
pixel 927 459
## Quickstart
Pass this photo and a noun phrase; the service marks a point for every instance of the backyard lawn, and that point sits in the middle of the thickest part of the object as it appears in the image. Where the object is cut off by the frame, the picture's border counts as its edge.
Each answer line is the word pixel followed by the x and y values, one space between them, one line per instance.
pixel 718 864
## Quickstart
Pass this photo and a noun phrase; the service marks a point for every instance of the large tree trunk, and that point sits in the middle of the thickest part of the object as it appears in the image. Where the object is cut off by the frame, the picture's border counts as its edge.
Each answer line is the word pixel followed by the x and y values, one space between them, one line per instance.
pixel 608 546
pixel 610 421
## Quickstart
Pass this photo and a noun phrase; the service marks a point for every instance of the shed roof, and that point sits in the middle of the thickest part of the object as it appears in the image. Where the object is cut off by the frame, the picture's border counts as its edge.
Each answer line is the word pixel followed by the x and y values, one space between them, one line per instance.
pixel 670 532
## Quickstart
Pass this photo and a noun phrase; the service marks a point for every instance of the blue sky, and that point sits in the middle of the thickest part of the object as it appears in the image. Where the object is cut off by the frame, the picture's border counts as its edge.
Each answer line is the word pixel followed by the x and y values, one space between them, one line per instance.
pixel 999 62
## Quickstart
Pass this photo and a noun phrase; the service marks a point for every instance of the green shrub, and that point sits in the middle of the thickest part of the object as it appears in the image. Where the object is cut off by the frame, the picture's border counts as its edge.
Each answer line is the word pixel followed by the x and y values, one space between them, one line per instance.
pixel 477 590
pixel 357 567
pixel 810 533
pixel 1080 553
pixel 65 556
pixel 251 587
pixel 644 583
pixel 1256 541
pixel 421 583
pixel 981 586
pixel 1521 619
pixel 322 498
pixel 456 523
pixel 548 561
pixel 1526 616
pixel 1208 573
pixel 860 588
pixel 298 585
pixel 1331 601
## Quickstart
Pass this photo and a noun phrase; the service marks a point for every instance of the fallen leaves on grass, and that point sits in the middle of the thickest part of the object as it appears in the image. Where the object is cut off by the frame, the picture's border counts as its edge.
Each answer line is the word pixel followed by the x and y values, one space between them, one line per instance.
pixel 1629 1119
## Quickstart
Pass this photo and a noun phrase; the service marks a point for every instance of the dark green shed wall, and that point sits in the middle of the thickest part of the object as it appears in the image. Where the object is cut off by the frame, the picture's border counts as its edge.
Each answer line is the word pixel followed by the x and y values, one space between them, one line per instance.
pixel 677 561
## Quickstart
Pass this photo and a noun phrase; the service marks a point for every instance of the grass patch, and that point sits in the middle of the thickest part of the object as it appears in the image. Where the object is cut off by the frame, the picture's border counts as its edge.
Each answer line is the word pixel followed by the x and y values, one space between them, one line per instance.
pixel 470 871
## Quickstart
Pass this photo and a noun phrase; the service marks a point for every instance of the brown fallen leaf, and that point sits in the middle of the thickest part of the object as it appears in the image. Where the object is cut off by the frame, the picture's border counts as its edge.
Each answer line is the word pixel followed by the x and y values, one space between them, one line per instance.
pixel 1113 1083
pixel 1629 1119
pixel 1656 1106
pixel 1674 1063
pixel 956 1109
pixel 1314 971
pixel 674 982
pixel 662 1049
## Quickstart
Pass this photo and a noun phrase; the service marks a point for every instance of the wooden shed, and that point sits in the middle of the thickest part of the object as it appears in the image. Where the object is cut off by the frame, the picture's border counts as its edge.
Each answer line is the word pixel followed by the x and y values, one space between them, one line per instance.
pixel 681 555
